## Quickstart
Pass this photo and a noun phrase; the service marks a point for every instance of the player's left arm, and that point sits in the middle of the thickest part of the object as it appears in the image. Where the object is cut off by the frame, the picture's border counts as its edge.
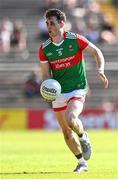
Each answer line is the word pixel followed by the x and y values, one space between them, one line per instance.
pixel 96 52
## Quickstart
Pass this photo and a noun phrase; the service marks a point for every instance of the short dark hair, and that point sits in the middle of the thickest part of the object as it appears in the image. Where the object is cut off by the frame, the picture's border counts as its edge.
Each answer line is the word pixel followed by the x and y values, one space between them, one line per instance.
pixel 56 13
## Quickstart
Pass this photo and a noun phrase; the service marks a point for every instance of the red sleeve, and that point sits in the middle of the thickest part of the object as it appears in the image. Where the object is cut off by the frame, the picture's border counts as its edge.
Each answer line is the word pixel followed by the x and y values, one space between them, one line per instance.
pixel 82 42
pixel 42 56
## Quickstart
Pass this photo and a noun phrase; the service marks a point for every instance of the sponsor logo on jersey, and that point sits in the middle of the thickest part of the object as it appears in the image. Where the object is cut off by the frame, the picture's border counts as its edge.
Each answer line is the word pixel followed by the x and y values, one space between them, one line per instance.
pixel 62 63
pixel 63 60
pixel 66 62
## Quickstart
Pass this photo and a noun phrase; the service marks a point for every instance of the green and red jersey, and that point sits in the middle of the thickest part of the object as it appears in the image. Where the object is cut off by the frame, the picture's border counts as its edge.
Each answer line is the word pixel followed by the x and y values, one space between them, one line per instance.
pixel 66 61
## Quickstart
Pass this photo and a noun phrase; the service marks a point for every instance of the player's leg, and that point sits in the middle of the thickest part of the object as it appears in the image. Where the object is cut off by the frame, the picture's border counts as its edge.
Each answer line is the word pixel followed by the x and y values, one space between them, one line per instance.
pixel 69 136
pixel 72 141
pixel 73 111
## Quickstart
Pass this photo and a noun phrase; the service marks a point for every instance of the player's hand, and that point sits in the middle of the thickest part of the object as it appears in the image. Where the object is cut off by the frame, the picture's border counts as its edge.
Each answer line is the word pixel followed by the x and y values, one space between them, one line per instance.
pixel 103 78
pixel 48 101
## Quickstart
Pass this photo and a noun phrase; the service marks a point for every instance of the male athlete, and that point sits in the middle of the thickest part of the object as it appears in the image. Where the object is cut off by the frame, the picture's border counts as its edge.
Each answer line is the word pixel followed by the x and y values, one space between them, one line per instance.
pixel 61 57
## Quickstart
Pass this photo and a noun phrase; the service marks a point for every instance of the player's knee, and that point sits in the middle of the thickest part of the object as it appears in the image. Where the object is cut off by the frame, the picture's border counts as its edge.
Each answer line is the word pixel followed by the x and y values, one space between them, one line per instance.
pixel 67 133
pixel 71 118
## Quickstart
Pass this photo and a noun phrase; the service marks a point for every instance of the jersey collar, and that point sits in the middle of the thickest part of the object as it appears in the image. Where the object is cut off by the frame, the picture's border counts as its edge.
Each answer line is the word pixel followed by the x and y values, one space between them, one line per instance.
pixel 64 35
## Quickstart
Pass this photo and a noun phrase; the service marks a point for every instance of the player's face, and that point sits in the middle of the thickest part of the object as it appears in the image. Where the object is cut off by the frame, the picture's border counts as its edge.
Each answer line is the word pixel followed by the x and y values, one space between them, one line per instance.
pixel 53 26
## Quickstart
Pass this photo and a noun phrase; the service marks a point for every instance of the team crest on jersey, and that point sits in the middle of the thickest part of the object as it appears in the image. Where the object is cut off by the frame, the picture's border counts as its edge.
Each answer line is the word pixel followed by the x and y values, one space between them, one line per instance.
pixel 70 48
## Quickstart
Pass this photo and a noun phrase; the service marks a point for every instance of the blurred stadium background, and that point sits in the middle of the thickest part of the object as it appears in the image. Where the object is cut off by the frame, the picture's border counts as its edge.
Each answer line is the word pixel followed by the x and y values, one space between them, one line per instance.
pixel 22 29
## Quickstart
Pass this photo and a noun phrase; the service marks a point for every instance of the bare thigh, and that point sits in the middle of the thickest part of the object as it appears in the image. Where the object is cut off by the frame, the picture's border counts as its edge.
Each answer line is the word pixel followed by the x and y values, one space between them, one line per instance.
pixel 74 108
pixel 61 119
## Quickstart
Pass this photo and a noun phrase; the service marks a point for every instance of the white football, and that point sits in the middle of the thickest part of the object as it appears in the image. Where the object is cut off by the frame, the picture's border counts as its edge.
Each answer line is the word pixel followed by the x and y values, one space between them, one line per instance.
pixel 50 89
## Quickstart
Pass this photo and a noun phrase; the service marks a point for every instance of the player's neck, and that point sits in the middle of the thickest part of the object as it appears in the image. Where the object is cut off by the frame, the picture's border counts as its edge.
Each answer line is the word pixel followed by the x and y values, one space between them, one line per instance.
pixel 59 38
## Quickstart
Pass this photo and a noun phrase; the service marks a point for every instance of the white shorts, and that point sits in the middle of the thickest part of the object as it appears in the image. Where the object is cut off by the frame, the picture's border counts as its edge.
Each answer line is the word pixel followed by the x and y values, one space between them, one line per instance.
pixel 61 102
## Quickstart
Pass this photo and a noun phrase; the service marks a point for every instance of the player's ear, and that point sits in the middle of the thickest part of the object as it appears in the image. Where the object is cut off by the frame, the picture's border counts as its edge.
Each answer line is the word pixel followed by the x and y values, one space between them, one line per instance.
pixel 62 24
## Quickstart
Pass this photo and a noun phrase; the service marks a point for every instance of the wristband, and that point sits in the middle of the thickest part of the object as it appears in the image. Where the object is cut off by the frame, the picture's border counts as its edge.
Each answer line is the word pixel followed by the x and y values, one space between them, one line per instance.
pixel 100 69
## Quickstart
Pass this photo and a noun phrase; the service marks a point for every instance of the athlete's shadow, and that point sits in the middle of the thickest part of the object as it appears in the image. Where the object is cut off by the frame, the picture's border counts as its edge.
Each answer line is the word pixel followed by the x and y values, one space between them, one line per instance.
pixel 38 172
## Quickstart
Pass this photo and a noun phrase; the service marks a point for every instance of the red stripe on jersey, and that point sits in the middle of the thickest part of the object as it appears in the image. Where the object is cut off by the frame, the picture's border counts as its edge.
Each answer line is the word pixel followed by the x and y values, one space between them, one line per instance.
pixel 82 99
pixel 42 56
pixel 66 62
pixel 82 42
pixel 60 108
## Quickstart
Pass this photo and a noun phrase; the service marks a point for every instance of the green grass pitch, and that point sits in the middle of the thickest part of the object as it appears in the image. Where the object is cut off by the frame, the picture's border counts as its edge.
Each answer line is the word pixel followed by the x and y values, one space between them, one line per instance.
pixel 44 155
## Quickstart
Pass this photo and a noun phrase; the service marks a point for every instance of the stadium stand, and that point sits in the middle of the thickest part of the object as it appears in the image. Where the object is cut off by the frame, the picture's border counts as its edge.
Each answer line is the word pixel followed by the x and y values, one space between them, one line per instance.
pixel 15 66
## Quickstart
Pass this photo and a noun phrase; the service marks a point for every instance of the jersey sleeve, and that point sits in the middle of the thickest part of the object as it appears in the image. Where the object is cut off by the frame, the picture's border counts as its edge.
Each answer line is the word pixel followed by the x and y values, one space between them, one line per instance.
pixel 42 56
pixel 82 42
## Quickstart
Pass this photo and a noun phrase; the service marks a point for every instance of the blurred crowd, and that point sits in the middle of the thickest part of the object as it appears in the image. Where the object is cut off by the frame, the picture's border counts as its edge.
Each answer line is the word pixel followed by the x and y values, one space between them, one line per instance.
pixel 33 82
pixel 84 17
pixel 12 35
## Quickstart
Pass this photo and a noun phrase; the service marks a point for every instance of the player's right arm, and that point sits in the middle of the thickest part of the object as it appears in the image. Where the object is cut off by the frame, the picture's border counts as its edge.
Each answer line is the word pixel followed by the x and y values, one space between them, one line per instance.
pixel 45 70
pixel 44 64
